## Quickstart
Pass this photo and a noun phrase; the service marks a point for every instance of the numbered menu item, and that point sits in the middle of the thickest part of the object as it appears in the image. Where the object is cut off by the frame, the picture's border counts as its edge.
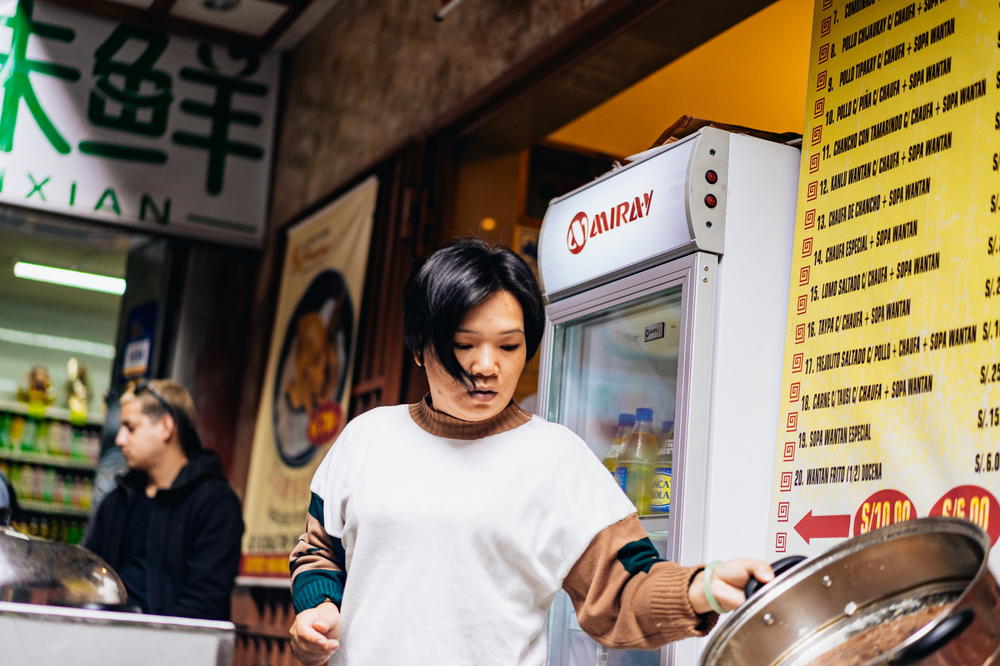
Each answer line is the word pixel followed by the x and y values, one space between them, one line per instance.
pixel 891 379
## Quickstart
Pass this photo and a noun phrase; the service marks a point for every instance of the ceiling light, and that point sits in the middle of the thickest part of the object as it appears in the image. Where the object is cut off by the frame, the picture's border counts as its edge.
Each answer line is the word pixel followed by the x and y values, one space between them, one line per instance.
pixel 73 345
pixel 68 278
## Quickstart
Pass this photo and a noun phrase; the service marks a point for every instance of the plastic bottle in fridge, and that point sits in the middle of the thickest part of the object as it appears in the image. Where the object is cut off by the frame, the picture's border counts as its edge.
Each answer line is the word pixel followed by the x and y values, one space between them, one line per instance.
pixel 625 424
pixel 663 472
pixel 635 464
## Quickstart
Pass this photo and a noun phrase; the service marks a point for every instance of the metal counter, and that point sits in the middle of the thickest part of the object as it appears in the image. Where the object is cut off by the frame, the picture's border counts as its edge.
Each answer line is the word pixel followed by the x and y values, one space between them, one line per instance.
pixel 33 635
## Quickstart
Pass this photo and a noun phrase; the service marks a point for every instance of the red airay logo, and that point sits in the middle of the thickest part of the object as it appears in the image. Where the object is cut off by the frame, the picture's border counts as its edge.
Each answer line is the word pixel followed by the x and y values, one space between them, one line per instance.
pixel 583 227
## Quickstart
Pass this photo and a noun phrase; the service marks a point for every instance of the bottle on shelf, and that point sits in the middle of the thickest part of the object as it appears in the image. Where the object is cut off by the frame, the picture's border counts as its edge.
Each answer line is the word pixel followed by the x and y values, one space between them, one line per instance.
pixel 635 463
pixel 625 425
pixel 4 431
pixel 26 478
pixel 16 432
pixel 28 444
pixel 663 472
pixel 92 447
pixel 48 489
pixel 76 445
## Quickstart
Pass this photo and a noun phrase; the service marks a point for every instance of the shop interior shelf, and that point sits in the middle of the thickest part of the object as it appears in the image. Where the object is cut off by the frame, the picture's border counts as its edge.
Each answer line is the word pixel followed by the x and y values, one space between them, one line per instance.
pixel 52 508
pixel 656 522
pixel 51 412
pixel 47 460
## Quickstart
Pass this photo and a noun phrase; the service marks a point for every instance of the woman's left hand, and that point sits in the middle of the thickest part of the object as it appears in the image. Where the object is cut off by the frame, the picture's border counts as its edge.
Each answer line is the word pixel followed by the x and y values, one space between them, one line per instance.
pixel 728 580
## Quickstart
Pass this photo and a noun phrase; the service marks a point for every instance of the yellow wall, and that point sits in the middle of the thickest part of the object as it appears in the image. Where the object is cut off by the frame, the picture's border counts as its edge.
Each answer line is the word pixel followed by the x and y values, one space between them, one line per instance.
pixel 754 74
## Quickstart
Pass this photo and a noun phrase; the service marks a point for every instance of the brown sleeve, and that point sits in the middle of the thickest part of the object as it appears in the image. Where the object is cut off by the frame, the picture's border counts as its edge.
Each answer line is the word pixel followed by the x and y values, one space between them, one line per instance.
pixel 315 549
pixel 317 567
pixel 625 596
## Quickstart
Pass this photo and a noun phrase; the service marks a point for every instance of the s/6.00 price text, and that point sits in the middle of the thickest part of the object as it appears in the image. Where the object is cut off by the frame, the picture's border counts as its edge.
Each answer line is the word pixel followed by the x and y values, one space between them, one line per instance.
pixel 987 462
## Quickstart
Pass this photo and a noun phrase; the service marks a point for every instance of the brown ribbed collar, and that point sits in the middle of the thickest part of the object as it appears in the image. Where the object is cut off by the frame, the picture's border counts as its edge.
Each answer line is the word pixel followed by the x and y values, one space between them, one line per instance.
pixel 444 425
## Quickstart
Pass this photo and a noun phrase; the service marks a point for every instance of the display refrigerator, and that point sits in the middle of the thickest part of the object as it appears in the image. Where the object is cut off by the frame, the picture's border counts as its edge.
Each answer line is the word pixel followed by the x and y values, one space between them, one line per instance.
pixel 666 282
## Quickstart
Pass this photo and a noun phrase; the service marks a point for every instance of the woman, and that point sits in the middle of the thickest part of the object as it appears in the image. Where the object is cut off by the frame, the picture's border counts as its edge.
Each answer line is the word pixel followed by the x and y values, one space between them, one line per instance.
pixel 438 533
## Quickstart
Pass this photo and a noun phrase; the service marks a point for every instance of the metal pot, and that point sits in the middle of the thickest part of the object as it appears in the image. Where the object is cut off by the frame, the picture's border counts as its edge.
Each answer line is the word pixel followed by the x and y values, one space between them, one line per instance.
pixel 918 591
pixel 44 572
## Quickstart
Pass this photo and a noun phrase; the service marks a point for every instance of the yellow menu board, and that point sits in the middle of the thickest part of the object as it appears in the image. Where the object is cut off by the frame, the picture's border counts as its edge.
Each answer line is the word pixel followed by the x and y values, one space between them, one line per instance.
pixel 891 385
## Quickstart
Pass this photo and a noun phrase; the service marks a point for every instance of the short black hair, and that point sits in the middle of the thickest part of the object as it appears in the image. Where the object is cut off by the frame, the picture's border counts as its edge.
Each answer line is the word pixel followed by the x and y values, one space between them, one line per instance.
pixel 455 279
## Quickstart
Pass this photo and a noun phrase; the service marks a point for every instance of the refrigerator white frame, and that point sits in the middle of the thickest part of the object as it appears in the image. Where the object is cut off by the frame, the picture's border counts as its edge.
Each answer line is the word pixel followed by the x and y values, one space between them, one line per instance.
pixel 735 259
pixel 696 274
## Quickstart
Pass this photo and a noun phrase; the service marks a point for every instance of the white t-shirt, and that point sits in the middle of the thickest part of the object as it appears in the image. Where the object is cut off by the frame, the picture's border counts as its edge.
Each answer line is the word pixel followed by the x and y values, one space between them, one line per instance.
pixel 456 548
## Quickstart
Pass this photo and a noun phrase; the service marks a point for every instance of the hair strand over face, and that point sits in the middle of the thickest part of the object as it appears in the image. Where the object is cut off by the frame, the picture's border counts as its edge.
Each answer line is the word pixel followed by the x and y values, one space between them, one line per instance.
pixel 455 279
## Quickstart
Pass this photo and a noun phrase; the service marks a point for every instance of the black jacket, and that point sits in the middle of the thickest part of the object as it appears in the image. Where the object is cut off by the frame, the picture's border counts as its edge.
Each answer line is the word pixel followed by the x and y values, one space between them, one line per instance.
pixel 193 547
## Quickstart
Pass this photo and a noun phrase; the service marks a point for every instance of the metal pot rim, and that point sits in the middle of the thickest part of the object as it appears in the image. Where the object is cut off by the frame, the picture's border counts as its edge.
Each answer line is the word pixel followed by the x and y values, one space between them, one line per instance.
pixel 791 578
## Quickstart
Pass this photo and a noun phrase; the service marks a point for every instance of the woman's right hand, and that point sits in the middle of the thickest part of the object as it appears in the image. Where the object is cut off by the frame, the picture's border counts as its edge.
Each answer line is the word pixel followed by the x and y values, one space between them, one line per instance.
pixel 316 634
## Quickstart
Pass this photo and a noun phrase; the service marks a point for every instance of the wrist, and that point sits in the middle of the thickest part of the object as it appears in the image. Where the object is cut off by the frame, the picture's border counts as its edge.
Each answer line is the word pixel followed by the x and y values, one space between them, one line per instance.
pixel 696 593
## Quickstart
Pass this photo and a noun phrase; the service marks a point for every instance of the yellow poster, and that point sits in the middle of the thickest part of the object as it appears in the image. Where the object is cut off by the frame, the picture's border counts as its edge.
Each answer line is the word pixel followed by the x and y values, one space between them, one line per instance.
pixel 306 390
pixel 891 385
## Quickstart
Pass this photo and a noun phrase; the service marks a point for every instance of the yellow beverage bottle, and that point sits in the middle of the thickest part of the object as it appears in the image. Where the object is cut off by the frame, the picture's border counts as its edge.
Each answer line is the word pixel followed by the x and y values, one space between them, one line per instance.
pixel 663 472
pixel 635 463
pixel 625 424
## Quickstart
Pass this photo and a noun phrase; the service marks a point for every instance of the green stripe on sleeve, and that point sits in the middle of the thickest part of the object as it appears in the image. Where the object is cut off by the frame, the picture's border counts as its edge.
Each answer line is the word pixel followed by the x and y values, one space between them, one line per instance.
pixel 337 546
pixel 311 588
pixel 316 508
pixel 638 556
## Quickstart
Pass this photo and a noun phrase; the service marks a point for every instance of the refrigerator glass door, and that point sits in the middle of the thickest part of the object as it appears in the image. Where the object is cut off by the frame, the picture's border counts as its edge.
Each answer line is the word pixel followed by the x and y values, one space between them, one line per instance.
pixel 644 340
pixel 613 362
pixel 604 364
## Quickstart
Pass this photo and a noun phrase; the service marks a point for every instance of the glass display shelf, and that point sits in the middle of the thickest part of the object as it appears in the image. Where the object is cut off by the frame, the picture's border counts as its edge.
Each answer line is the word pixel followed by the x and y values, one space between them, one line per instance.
pixel 52 508
pixel 48 460
pixel 52 412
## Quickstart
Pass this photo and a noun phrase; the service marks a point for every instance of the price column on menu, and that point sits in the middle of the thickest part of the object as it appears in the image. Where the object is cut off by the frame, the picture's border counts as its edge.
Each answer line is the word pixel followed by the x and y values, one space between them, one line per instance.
pixel 891 386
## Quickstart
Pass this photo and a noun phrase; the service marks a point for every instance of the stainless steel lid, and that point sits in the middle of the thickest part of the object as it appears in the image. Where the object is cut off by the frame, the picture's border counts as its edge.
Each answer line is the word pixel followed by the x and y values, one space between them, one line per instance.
pixel 45 572
pixel 821 602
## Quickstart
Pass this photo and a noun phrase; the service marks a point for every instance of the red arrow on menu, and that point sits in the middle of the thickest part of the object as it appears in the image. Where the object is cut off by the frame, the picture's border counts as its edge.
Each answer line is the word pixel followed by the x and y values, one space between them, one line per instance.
pixel 823 527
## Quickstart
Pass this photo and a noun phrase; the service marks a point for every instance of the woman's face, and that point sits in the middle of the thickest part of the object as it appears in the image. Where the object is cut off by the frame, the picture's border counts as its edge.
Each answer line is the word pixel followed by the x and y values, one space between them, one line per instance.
pixel 489 344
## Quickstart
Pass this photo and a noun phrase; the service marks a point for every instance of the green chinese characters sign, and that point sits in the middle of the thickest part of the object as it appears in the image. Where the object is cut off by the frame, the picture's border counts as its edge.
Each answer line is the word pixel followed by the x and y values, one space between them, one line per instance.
pixel 132 125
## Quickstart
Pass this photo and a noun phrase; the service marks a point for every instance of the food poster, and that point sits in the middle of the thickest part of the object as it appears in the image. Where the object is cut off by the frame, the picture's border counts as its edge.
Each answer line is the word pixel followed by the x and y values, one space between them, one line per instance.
pixel 306 388
pixel 891 385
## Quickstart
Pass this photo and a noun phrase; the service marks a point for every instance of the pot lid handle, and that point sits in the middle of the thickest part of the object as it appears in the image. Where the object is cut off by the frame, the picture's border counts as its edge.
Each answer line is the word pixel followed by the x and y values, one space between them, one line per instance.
pixel 779 567
pixel 936 638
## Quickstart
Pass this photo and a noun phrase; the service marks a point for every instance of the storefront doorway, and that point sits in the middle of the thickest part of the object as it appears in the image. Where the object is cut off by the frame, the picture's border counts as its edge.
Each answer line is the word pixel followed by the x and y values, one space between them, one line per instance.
pixel 61 286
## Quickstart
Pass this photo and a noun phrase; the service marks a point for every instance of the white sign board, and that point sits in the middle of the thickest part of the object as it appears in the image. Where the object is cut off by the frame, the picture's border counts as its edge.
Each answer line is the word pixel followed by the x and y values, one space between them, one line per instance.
pixel 133 126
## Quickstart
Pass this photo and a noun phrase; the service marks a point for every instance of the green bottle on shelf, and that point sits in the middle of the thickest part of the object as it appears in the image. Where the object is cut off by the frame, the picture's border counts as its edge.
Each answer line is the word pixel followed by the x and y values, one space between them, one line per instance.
pixel 5 444
pixel 28 443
